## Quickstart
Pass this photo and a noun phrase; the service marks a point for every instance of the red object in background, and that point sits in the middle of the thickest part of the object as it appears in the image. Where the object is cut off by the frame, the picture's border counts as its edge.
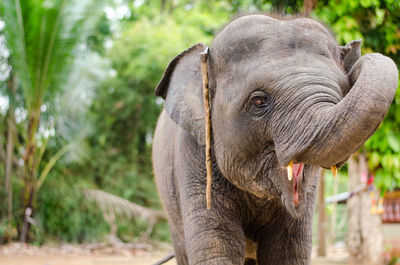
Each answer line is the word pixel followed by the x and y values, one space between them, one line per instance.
pixel 370 180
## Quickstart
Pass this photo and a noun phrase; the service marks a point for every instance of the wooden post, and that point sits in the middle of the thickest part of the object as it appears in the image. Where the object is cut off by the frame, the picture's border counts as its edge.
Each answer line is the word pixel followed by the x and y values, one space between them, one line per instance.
pixel 332 233
pixel 364 235
pixel 321 250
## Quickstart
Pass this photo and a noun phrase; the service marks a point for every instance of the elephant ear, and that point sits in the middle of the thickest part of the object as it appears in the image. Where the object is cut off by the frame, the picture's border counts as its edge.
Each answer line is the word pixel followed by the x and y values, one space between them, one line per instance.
pixel 181 88
pixel 350 54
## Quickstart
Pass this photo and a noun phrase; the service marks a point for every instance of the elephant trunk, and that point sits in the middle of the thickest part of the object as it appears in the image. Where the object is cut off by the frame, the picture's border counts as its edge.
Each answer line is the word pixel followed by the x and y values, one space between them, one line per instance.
pixel 342 128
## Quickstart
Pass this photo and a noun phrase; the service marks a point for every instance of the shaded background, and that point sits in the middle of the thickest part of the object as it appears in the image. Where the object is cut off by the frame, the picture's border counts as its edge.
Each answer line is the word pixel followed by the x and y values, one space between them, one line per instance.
pixel 77 109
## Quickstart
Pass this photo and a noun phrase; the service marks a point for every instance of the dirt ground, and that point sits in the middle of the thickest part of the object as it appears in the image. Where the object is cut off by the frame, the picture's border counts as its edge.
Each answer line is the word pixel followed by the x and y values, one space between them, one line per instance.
pixel 17 254
pixel 137 259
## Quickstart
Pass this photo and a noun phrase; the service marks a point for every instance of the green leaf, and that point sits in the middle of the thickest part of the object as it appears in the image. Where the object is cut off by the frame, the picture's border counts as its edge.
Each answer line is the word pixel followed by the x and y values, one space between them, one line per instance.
pixel 374 160
pixel 394 143
pixel 380 15
pixel 366 3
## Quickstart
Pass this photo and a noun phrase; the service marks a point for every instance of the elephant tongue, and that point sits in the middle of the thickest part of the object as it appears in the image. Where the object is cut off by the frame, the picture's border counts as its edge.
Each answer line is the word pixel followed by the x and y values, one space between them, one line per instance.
pixel 297 170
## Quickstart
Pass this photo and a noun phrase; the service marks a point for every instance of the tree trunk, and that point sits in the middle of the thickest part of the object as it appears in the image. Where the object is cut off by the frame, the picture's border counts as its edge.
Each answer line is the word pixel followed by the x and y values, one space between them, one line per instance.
pixel 163 2
pixel 12 84
pixel 9 164
pixel 30 191
pixel 321 217
pixel 30 178
pixel 308 6
pixel 10 147
pixel 332 233
pixel 364 229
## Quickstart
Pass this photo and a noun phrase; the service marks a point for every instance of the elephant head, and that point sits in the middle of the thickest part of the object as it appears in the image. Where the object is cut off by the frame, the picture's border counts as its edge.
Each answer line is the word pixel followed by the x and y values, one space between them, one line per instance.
pixel 281 92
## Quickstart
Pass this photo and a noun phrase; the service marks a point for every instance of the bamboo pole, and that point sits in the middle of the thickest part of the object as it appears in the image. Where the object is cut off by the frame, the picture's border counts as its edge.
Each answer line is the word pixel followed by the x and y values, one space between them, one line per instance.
pixel 207 121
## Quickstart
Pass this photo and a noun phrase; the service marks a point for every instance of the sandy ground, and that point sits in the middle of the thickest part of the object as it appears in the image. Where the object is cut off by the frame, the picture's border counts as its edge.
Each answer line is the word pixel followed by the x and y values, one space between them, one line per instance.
pixel 137 259
pixel 17 254
pixel 140 259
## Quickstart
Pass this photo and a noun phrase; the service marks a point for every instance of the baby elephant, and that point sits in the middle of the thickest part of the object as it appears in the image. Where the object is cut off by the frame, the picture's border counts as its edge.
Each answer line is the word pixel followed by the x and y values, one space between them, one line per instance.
pixel 285 100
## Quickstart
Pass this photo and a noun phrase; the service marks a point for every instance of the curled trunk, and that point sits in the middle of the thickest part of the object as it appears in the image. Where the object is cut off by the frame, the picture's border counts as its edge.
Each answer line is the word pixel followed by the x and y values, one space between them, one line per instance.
pixel 342 128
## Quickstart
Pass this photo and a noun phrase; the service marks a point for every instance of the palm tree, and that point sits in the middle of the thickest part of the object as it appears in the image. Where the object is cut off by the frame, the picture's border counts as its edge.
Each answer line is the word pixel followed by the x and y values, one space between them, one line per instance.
pixel 43 36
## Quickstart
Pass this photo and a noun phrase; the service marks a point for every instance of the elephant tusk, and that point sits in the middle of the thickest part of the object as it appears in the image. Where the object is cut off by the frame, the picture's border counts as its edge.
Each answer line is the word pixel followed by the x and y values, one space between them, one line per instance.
pixel 334 171
pixel 290 170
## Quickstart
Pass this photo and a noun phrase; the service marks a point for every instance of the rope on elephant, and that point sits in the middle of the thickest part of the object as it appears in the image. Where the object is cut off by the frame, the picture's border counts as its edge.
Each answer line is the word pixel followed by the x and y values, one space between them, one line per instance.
pixel 207 120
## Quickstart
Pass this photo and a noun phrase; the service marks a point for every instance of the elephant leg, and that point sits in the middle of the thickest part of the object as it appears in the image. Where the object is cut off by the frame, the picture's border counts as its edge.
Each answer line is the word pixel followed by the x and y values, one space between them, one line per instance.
pixel 179 248
pixel 210 240
pixel 212 236
pixel 288 243
pixel 285 250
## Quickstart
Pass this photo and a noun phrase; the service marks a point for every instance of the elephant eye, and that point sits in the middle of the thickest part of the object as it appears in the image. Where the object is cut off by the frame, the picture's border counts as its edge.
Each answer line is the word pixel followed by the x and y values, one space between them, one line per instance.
pixel 259 103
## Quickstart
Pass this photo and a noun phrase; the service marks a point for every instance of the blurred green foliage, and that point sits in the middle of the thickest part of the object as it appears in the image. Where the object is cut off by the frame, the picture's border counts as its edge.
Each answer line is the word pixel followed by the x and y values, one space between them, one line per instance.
pixel 65 213
pixel 112 110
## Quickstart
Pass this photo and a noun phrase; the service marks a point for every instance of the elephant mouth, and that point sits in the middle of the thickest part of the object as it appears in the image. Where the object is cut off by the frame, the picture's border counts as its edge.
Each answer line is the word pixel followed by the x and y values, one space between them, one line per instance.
pixel 297 177
pixel 294 198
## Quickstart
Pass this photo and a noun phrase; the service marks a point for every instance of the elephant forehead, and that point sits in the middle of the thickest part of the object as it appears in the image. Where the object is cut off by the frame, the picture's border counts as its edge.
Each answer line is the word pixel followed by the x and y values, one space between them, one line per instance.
pixel 253 37
pixel 280 76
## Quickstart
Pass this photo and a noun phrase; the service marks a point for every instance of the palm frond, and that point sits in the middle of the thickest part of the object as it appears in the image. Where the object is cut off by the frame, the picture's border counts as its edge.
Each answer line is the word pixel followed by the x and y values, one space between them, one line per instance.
pixel 12 13
pixel 111 204
pixel 43 36
pixel 78 149
pixel 71 109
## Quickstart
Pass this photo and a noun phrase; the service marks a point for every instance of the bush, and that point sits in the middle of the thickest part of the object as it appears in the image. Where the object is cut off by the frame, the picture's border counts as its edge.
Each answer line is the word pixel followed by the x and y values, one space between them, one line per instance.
pixel 65 214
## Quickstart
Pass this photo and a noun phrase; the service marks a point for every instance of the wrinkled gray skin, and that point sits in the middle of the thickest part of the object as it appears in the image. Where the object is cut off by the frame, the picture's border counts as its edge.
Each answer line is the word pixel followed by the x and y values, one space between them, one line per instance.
pixel 320 103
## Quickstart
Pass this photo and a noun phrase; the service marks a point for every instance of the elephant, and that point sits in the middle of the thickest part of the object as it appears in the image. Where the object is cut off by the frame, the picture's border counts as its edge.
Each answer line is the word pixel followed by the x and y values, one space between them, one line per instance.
pixel 285 101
